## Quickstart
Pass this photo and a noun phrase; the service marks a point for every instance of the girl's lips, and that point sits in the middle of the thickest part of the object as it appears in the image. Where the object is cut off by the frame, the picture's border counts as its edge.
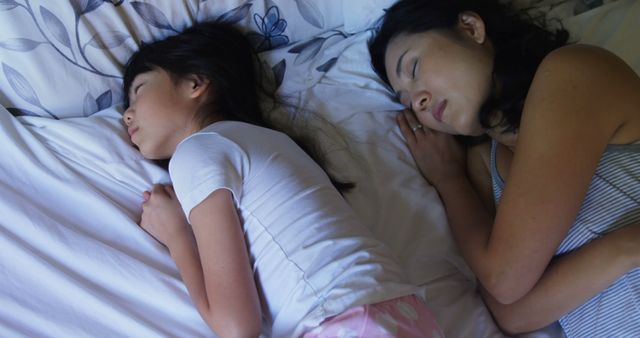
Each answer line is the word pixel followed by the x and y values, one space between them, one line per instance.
pixel 438 110
pixel 132 131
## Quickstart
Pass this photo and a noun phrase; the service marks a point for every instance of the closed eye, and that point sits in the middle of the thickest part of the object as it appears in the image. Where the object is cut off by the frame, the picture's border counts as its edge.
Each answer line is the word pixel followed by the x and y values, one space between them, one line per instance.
pixel 135 90
pixel 415 67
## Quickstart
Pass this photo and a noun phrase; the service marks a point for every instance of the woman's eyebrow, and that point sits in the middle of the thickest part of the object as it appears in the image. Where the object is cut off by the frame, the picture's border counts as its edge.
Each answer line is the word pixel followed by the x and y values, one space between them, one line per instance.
pixel 399 65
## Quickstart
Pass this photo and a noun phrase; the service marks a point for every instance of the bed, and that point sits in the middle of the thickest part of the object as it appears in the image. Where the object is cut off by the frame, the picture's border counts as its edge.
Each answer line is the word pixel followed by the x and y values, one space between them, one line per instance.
pixel 74 262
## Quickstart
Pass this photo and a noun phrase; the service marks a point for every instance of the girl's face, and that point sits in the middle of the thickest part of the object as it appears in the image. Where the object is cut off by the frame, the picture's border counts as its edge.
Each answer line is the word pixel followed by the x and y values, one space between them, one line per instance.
pixel 444 76
pixel 161 112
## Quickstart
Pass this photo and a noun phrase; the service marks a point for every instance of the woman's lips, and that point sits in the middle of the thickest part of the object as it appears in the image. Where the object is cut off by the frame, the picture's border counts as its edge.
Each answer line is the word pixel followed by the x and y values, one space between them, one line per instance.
pixel 438 110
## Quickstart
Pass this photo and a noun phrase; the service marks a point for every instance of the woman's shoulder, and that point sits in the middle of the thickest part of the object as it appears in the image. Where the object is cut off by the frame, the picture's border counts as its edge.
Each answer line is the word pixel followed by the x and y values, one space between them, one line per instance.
pixel 587 85
pixel 583 61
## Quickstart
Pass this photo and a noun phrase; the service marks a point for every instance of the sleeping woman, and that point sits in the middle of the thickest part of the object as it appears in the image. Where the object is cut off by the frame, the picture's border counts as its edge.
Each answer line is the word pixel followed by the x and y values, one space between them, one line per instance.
pixel 546 212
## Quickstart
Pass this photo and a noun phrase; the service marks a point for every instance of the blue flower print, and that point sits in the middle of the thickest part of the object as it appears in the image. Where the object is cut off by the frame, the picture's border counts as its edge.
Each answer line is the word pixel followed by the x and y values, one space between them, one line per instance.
pixel 271 28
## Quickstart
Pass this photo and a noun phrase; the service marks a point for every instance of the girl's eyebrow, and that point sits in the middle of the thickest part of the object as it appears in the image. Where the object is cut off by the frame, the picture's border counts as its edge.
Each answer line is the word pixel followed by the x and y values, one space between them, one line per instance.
pixel 132 89
pixel 134 84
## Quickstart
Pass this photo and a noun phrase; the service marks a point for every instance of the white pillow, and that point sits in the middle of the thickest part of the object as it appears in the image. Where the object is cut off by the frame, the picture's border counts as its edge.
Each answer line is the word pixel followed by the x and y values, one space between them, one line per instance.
pixel 360 15
pixel 611 26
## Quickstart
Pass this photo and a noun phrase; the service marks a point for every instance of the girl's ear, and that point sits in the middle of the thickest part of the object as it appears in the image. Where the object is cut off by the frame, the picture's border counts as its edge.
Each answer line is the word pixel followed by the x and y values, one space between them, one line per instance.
pixel 472 25
pixel 197 85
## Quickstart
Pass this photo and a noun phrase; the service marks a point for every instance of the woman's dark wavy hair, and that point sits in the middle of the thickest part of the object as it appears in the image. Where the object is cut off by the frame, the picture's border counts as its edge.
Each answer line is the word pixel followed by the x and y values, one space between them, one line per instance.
pixel 220 53
pixel 520 43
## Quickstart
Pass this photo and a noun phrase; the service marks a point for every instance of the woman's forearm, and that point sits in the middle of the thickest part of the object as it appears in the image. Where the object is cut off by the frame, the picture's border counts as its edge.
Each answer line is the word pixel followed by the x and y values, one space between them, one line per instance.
pixel 568 282
pixel 471 226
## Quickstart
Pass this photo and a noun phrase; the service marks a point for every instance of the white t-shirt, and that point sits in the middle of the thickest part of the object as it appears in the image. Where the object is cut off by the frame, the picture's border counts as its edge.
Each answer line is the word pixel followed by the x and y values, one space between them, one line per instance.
pixel 311 256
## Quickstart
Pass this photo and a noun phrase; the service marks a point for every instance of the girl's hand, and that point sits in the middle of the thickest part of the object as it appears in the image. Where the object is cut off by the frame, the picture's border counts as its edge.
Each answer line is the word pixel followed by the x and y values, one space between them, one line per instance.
pixel 439 156
pixel 162 215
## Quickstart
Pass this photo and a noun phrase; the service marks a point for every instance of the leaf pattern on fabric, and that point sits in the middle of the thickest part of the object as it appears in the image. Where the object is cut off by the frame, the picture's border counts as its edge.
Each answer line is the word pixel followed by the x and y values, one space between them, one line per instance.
pixel 152 15
pixel 108 40
pixel 20 85
pixel 20 44
pixel 278 72
pixel 21 112
pixel 82 7
pixel 325 67
pixel 105 100
pixel 235 15
pixel 90 106
pixel 307 50
pixel 310 12
pixel 56 27
pixel 7 5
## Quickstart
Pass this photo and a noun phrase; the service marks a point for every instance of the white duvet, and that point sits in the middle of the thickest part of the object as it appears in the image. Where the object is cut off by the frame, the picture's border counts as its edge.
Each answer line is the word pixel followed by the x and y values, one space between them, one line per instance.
pixel 74 262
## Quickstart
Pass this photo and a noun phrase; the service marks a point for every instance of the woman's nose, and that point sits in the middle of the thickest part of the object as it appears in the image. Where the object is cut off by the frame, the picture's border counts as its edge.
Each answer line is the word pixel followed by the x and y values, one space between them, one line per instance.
pixel 420 101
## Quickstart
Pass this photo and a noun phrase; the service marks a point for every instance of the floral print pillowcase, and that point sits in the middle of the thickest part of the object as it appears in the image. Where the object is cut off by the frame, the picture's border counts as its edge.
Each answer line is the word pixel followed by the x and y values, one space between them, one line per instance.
pixel 65 58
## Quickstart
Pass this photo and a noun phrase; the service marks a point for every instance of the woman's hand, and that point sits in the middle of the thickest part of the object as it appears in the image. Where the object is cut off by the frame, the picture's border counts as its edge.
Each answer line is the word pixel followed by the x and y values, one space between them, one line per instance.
pixel 629 243
pixel 439 156
pixel 162 215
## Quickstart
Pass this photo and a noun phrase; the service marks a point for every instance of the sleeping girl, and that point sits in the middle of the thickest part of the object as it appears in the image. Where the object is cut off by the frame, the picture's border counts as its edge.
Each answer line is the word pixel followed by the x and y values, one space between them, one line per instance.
pixel 547 212
pixel 263 241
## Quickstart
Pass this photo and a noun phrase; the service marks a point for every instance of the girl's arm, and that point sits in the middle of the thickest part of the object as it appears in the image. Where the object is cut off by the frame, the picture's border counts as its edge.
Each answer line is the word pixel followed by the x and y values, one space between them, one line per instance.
pixel 581 99
pixel 213 259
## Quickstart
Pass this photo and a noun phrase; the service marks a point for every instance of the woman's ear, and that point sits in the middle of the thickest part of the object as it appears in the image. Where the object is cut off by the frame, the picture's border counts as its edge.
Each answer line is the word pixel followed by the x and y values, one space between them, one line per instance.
pixel 196 85
pixel 472 25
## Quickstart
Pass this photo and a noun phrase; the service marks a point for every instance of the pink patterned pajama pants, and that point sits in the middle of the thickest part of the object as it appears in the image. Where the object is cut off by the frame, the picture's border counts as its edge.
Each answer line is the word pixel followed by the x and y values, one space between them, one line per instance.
pixel 404 317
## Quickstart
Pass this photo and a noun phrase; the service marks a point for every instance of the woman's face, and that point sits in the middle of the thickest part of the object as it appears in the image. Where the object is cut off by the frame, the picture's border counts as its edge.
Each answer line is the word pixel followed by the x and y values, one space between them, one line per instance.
pixel 444 76
pixel 161 113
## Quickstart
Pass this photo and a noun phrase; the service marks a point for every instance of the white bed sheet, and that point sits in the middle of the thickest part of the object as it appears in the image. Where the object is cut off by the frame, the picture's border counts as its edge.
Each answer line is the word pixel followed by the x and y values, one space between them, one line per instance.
pixel 74 262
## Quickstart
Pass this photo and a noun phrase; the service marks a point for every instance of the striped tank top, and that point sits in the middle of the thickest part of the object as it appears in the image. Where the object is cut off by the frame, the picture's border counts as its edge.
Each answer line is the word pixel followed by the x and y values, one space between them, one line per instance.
pixel 612 202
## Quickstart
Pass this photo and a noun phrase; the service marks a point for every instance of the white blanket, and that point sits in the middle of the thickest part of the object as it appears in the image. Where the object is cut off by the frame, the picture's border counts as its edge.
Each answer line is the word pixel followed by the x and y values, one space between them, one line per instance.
pixel 74 262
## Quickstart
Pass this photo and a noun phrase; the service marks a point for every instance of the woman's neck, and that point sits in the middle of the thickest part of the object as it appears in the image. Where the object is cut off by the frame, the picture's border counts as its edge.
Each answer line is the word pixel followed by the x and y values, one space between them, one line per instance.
pixel 509 139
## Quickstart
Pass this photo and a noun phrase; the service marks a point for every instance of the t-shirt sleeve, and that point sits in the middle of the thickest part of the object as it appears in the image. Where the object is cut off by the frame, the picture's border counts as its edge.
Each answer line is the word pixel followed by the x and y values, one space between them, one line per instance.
pixel 204 163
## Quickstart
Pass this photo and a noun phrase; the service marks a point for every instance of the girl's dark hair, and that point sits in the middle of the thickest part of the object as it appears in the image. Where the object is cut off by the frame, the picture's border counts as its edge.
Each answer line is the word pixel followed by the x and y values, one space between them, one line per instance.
pixel 520 43
pixel 217 52
pixel 220 53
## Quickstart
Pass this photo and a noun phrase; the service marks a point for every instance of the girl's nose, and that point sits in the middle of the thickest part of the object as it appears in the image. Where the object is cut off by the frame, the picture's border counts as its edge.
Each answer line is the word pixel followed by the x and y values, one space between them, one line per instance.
pixel 127 118
pixel 421 101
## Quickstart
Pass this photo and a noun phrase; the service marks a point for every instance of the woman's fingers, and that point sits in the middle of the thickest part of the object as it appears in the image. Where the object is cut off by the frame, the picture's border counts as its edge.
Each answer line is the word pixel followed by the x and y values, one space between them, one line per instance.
pixel 411 128
pixel 414 125
pixel 405 128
